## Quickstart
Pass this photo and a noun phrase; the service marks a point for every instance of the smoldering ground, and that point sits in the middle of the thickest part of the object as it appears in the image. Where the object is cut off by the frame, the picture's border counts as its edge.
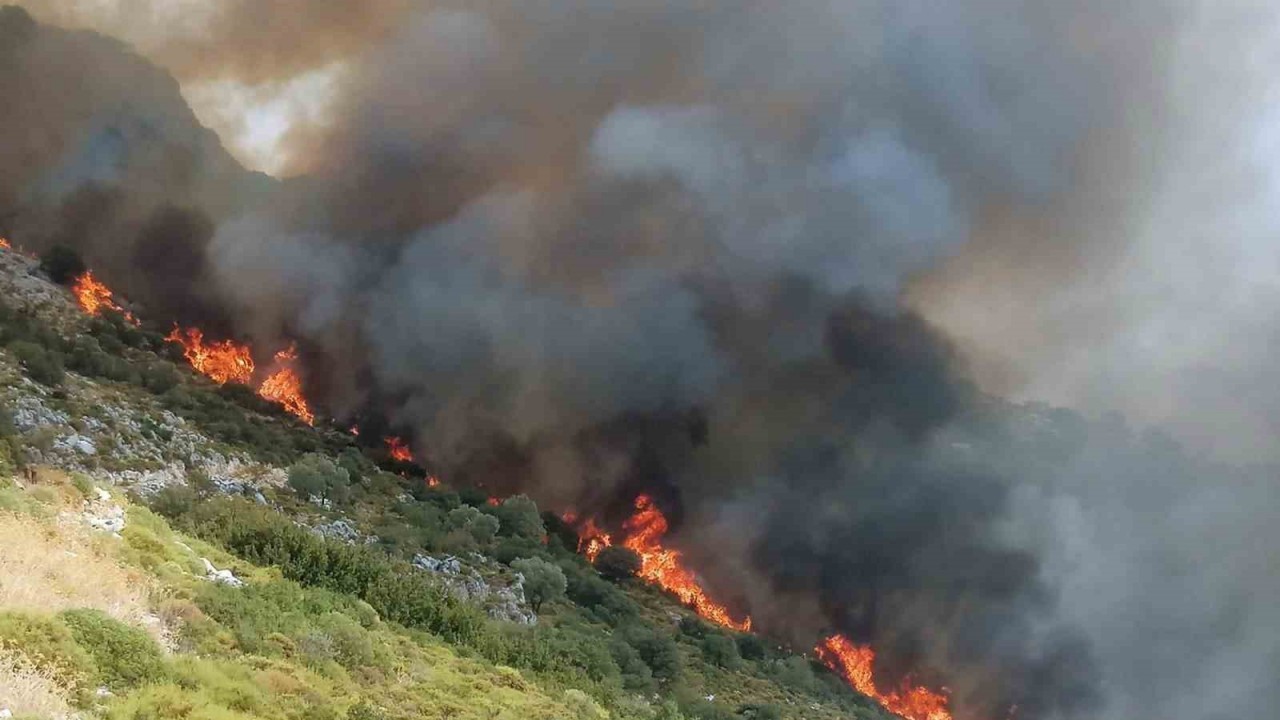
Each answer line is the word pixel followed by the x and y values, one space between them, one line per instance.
pixel 587 251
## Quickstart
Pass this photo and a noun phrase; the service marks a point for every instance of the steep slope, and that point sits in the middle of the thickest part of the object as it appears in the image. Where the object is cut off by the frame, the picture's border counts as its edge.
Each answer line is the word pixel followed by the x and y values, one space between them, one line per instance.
pixel 116 406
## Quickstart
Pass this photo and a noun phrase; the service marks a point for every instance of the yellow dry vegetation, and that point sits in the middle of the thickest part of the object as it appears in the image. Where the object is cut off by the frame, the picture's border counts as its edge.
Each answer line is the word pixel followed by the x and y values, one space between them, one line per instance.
pixel 26 690
pixel 48 567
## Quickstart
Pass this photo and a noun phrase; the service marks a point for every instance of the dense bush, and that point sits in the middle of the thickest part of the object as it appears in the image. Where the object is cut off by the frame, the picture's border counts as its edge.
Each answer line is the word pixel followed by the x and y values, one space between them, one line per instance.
pixel 43 366
pixel 656 648
pixel 543 581
pixel 602 599
pixel 480 526
pixel 520 518
pixel 751 647
pixel 47 643
pixel 617 563
pixel 125 656
pixel 317 476
pixel 721 650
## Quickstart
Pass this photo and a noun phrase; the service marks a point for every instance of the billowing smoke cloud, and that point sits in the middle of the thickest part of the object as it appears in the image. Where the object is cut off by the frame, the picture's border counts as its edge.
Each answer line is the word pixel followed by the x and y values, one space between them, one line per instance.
pixel 587 251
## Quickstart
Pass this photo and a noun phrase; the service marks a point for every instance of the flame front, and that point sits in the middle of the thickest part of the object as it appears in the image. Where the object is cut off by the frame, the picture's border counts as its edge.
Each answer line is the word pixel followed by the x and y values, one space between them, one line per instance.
pixel 94 297
pixel 856 663
pixel 285 387
pixel 221 362
pixel 398 449
pixel 661 566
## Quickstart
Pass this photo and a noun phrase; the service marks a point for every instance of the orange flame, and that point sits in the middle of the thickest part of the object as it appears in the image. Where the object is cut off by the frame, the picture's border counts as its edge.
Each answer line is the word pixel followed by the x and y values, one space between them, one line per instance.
pixel 285 387
pixel 4 244
pixel 591 539
pixel 433 481
pixel 95 297
pixel 857 662
pixel 221 362
pixel 662 566
pixel 399 449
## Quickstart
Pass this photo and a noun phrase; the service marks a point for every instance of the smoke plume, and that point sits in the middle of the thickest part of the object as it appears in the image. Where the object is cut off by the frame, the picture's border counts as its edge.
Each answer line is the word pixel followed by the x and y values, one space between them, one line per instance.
pixel 734 255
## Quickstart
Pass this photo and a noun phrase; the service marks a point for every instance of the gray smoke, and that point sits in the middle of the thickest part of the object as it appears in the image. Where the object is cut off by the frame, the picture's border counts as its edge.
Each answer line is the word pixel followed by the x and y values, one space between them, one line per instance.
pixel 587 251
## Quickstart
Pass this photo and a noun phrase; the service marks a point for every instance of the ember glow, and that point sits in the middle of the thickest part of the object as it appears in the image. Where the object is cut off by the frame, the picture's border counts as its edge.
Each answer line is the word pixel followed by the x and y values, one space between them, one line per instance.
pixel 662 566
pixel 398 449
pixel 94 297
pixel 4 244
pixel 856 663
pixel 285 386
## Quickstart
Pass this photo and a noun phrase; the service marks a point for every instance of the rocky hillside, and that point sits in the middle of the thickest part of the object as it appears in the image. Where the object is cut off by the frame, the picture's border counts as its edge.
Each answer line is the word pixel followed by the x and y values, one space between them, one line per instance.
pixel 285 571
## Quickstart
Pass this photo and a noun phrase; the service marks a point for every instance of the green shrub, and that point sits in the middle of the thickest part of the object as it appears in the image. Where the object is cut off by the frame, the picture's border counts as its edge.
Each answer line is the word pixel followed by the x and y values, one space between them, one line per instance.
pixel 543 581
pixel 82 484
pixel 125 656
pixel 721 650
pixel 519 517
pixel 617 563
pixel 751 647
pixel 317 476
pixel 43 366
pixel 7 428
pixel 657 649
pixel 173 501
pixel 481 527
pixel 365 710
pixel 47 643
pixel 159 377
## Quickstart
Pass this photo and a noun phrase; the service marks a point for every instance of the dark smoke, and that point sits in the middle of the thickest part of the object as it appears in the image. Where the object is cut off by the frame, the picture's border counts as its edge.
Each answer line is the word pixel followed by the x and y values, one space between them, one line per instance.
pixel 587 250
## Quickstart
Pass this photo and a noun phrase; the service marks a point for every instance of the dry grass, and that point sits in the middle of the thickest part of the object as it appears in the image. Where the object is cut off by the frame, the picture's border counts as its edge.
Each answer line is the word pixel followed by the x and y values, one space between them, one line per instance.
pixel 48 568
pixel 24 690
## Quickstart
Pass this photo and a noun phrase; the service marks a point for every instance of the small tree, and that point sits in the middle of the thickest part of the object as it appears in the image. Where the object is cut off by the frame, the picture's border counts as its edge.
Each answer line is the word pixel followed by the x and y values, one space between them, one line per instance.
pixel 62 264
pixel 543 581
pixel 482 527
pixel 41 365
pixel 519 517
pixel 722 651
pixel 617 563
pixel 317 476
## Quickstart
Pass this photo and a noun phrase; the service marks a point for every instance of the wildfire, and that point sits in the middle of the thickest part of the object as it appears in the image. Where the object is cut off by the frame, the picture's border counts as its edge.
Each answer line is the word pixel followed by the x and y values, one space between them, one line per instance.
pixel 592 539
pixel 95 297
pixel 222 361
pixel 857 662
pixel 399 449
pixel 285 387
pixel 661 566
pixel 4 244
